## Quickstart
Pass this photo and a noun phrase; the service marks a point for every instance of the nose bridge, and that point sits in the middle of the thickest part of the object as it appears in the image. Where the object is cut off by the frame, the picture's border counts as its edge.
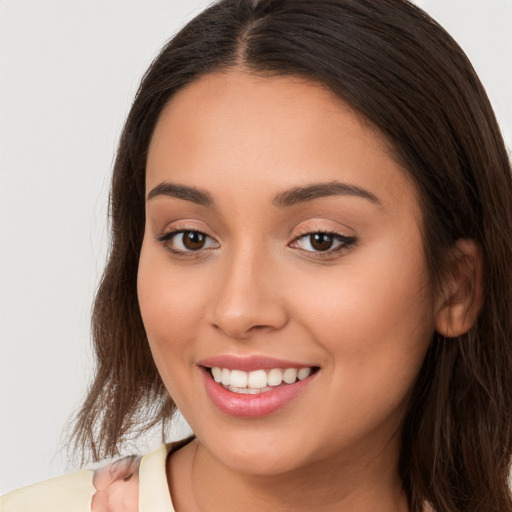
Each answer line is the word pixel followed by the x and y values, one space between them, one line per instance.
pixel 247 298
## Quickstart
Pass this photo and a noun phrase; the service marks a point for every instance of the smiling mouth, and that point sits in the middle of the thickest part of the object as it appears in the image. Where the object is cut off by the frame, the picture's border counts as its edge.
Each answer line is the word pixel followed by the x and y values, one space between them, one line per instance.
pixel 258 381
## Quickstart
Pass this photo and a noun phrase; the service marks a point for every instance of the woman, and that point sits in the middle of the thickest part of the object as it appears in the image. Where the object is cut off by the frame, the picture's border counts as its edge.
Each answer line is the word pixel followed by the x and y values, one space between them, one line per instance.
pixel 311 244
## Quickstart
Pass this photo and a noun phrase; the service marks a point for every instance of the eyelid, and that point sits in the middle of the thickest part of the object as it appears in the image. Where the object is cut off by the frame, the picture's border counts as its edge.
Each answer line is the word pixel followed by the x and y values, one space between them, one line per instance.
pixel 346 242
pixel 168 236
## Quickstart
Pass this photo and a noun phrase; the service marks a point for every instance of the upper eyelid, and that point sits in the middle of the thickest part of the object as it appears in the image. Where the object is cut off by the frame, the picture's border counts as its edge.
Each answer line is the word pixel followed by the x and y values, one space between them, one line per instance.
pixel 300 232
pixel 322 224
pixel 312 231
pixel 180 226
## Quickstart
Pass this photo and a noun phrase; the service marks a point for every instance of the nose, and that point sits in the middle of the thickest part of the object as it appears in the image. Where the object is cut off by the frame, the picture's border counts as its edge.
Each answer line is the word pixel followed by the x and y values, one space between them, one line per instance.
pixel 248 299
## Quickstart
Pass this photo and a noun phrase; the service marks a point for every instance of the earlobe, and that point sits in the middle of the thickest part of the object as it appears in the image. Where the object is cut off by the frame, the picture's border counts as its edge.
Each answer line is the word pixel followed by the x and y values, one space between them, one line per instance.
pixel 463 290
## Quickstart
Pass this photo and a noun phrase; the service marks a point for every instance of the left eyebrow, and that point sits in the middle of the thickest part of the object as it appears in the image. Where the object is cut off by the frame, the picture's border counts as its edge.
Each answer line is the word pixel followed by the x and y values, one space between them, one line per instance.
pixel 316 190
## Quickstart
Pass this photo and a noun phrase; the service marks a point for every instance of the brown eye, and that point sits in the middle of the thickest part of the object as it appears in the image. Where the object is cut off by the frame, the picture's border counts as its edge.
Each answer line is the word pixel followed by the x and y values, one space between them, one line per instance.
pixel 321 241
pixel 193 240
pixel 185 241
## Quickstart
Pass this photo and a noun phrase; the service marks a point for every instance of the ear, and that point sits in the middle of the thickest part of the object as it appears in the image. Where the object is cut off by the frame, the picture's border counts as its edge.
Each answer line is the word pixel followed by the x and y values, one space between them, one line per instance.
pixel 463 290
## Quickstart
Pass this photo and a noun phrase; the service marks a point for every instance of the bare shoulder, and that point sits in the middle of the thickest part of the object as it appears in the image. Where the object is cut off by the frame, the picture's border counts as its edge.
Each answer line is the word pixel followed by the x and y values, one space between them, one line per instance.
pixel 117 487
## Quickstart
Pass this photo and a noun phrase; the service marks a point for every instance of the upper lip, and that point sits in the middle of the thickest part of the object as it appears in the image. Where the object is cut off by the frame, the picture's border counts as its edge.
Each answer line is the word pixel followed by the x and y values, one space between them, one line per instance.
pixel 249 363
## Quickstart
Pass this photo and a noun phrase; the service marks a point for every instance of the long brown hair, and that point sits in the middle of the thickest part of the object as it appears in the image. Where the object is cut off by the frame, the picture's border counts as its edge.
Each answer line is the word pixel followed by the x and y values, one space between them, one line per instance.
pixel 405 75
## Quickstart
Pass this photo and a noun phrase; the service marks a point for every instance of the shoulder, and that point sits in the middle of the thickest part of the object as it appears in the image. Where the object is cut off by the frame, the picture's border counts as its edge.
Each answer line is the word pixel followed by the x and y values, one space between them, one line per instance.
pixel 70 493
pixel 113 488
pixel 122 486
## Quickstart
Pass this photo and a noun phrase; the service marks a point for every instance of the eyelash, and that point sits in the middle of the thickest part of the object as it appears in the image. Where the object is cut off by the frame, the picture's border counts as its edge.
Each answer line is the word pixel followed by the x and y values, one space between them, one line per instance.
pixel 168 237
pixel 345 243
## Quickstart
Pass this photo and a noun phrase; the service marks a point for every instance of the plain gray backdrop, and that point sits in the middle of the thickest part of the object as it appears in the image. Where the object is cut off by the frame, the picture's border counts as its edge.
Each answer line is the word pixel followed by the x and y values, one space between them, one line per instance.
pixel 68 73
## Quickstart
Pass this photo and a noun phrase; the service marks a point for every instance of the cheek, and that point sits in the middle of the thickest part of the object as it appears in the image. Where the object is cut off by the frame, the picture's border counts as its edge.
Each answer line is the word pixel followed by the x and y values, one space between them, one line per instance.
pixel 170 304
pixel 372 315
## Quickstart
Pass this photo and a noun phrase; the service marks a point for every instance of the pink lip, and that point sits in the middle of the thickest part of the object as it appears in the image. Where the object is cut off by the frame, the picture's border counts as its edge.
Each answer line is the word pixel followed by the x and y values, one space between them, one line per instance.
pixel 249 364
pixel 252 406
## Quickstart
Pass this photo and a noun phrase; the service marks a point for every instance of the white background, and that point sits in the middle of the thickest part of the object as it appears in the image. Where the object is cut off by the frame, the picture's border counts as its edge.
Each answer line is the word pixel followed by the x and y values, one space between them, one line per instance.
pixel 68 72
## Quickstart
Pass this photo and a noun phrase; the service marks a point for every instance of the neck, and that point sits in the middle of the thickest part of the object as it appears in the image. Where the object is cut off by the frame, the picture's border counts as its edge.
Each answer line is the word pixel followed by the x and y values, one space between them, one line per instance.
pixel 344 483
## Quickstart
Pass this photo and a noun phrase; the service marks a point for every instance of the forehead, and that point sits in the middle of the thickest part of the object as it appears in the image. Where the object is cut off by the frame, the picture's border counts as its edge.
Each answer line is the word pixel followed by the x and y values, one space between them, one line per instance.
pixel 261 132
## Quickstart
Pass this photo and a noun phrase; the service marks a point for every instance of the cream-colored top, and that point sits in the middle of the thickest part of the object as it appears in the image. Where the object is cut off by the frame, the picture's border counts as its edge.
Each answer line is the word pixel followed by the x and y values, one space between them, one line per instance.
pixel 74 492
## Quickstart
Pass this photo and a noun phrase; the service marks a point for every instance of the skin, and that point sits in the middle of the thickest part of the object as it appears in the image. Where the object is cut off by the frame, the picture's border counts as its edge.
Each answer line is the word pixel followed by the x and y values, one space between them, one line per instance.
pixel 363 315
pixel 117 487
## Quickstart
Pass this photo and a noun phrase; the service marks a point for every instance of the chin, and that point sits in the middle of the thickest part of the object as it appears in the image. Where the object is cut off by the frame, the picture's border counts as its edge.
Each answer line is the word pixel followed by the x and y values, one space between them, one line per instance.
pixel 262 462
pixel 257 450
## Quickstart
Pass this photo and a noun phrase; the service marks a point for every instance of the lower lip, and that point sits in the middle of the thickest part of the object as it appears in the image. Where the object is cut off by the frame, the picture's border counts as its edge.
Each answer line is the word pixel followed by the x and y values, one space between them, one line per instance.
pixel 252 406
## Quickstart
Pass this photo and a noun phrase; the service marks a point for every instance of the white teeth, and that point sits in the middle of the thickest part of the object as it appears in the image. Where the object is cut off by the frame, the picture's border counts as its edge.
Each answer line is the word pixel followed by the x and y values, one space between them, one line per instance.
pixel 217 374
pixel 290 375
pixel 239 379
pixel 257 381
pixel 303 373
pixel 275 377
pixel 251 391
pixel 247 391
pixel 225 377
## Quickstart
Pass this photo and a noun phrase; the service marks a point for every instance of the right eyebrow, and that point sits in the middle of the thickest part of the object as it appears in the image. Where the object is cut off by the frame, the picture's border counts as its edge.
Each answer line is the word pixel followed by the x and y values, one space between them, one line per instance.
pixel 195 195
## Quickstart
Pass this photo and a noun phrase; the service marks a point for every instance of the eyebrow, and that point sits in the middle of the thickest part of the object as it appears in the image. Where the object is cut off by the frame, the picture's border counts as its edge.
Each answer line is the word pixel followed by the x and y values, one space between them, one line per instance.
pixel 289 197
pixel 317 190
pixel 193 194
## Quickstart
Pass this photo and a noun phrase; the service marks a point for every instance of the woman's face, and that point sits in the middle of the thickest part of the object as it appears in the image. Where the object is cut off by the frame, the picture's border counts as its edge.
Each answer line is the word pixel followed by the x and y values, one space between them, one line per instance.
pixel 281 235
